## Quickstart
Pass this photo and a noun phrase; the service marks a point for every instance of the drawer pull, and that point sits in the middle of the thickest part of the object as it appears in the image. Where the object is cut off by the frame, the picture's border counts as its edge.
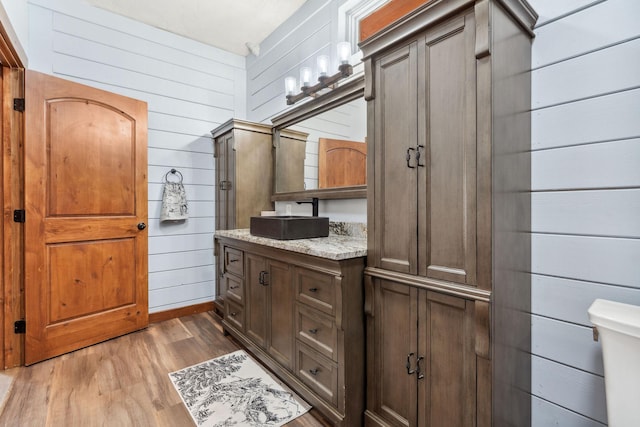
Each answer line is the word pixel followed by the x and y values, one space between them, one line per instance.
pixel 313 331
pixel 313 289
pixel 233 314
pixel 234 287
pixel 233 260
pixel 314 372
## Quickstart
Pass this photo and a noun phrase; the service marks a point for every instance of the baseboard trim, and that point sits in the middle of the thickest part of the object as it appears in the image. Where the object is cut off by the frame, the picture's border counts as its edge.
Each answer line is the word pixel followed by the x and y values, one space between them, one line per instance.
pixel 182 311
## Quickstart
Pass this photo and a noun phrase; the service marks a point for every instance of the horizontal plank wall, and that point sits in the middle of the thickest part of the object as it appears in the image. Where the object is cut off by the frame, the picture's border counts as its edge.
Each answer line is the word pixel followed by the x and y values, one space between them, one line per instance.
pixel 190 89
pixel 585 196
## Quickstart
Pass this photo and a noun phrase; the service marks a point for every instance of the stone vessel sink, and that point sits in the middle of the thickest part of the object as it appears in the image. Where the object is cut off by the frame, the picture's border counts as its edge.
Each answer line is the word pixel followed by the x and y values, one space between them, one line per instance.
pixel 289 227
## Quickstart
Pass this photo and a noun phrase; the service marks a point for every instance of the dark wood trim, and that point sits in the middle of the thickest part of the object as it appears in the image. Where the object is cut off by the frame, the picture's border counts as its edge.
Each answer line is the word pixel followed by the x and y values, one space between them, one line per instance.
pixel 423 282
pixel 357 192
pixel 180 312
pixel 240 124
pixel 348 91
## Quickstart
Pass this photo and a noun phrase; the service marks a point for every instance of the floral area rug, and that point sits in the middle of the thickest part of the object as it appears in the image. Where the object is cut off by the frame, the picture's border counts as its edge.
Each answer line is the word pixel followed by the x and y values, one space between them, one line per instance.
pixel 233 390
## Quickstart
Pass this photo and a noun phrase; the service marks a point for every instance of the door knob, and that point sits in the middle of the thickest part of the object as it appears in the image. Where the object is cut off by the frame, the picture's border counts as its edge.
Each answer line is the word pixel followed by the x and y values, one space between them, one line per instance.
pixel 142 226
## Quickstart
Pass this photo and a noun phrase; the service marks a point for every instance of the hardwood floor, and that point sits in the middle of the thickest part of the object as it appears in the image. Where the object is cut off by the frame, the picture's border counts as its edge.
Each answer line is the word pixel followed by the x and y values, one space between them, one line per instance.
pixel 121 382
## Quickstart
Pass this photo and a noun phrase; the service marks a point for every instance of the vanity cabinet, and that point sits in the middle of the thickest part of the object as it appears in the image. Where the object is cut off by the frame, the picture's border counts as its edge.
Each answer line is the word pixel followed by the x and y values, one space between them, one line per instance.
pixel 303 318
pixel 269 307
pixel 422 357
pixel 244 178
pixel 447 289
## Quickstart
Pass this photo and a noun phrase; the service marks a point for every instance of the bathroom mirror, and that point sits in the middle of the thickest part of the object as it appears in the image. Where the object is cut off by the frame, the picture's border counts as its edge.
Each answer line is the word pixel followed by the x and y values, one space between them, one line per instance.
pixel 320 146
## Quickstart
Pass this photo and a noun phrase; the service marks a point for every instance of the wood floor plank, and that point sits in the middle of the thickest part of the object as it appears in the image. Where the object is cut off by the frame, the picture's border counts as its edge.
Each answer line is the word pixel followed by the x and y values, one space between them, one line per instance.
pixel 121 382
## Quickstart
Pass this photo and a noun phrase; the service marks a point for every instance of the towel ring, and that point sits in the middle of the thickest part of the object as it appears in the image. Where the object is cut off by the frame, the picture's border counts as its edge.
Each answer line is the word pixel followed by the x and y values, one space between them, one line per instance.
pixel 175 173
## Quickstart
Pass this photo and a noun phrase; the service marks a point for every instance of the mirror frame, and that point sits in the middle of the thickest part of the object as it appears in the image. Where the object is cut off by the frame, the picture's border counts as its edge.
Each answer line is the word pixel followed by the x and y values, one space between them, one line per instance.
pixel 349 91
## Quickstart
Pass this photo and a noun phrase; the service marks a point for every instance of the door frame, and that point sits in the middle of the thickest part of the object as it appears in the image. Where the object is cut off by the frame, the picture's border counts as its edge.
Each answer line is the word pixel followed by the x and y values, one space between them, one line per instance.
pixel 14 60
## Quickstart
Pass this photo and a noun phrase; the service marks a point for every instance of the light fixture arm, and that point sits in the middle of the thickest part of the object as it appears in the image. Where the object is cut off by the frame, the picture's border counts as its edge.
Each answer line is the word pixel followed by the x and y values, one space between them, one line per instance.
pixel 344 70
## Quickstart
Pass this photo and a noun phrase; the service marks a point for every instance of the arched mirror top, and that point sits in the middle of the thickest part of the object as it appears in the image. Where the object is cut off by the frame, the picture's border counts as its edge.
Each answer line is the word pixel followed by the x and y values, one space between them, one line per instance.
pixel 320 146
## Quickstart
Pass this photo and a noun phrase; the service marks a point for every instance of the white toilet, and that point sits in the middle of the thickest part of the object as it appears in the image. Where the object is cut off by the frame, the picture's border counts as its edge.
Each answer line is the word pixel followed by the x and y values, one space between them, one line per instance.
pixel 619 330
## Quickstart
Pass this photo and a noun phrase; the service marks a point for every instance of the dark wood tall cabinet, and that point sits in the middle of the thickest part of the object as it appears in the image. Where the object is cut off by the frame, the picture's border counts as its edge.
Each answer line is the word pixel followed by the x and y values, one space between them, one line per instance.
pixel 244 179
pixel 447 285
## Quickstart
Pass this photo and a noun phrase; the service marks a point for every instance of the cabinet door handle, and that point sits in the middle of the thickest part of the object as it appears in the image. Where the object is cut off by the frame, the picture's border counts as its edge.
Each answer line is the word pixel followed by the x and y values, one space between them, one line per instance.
pixel 313 331
pixel 419 368
pixel 409 370
pixel 264 278
pixel 409 150
pixel 314 372
pixel 419 155
pixel 313 289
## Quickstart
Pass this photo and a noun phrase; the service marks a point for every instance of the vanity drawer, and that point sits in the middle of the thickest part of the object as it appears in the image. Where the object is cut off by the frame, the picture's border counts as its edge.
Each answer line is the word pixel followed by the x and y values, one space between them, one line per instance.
pixel 316 290
pixel 233 287
pixel 234 314
pixel 317 330
pixel 317 372
pixel 233 261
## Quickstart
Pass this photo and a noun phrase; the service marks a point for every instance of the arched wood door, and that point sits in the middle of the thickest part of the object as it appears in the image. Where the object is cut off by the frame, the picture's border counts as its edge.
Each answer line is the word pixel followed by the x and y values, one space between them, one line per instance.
pixel 86 209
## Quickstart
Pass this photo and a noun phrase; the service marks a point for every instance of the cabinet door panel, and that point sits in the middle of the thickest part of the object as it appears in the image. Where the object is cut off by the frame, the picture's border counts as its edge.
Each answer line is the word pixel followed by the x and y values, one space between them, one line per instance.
pixel 446 341
pixel 395 131
pixel 281 308
pixel 447 183
pixel 392 390
pixel 256 297
pixel 225 172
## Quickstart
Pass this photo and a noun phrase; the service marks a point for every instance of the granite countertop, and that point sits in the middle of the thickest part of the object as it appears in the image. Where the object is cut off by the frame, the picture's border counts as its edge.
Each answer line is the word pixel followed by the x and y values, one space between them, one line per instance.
pixel 336 247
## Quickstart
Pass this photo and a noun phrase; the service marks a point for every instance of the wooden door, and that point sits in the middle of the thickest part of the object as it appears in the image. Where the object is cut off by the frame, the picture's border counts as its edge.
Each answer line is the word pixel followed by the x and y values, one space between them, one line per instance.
pixel 392 354
pixel 447 391
pixel 395 138
pixel 447 123
pixel 256 299
pixel 86 208
pixel 281 300
pixel 341 163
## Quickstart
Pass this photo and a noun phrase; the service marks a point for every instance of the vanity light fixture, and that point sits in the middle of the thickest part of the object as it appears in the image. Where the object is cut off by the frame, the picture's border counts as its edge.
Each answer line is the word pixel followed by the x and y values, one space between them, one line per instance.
pixel 324 79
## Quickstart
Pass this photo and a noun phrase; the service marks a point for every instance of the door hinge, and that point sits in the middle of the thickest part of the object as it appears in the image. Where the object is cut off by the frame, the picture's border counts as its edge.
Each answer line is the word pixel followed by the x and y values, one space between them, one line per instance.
pixel 20 326
pixel 19 215
pixel 18 104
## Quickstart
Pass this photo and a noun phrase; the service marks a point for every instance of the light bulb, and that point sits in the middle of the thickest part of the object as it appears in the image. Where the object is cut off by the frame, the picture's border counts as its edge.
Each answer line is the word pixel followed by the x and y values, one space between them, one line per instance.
pixel 289 85
pixel 305 77
pixel 344 52
pixel 323 65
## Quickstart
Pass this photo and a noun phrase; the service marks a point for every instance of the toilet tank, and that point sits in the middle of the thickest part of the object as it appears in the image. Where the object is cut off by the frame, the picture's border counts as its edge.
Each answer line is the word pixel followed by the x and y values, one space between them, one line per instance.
pixel 618 326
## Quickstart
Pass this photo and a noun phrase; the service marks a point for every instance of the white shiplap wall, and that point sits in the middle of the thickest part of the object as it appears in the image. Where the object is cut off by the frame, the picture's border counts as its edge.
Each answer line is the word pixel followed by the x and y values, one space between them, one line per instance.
pixel 190 89
pixel 586 196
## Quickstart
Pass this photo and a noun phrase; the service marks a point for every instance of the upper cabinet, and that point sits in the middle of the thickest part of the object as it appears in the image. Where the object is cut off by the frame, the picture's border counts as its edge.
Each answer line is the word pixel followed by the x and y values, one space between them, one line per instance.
pixel 448 88
pixel 425 139
pixel 244 172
